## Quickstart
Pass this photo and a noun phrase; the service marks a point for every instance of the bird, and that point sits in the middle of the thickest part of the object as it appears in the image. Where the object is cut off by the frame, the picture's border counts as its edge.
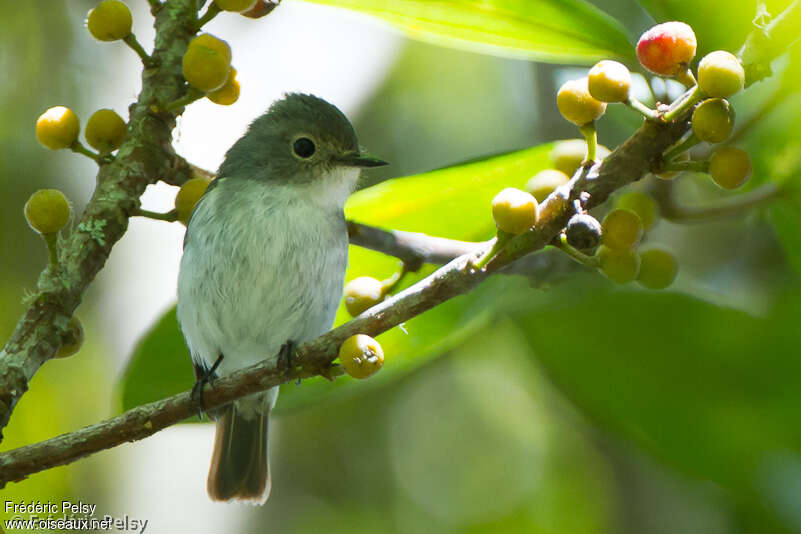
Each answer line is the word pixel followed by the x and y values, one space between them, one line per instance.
pixel 263 267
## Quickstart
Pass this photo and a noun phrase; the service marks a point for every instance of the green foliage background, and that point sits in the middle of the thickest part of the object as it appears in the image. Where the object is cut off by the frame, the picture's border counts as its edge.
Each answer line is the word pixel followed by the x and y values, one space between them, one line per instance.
pixel 577 407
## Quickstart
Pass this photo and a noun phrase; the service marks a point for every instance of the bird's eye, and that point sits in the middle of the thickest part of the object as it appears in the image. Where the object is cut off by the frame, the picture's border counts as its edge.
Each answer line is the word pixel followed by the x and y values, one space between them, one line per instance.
pixel 304 147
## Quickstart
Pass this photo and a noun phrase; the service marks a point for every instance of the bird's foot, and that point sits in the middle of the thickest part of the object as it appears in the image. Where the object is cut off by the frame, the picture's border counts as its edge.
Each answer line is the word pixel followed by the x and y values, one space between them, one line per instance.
pixel 285 356
pixel 204 375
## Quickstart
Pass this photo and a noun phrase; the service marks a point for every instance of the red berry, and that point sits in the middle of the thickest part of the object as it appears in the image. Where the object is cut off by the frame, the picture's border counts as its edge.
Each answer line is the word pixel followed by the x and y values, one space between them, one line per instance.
pixel 667 48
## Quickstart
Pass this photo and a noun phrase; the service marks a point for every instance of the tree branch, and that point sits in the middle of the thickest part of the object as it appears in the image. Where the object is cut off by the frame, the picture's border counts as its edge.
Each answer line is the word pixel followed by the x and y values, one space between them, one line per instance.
pixel 146 155
pixel 413 248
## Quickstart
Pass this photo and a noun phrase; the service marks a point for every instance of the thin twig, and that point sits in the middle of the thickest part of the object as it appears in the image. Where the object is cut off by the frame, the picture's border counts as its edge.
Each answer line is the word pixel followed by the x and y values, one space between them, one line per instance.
pixel 671 209
pixel 412 248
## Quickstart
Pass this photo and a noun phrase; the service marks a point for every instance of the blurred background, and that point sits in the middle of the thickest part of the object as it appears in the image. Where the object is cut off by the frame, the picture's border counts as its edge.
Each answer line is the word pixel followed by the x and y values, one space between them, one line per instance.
pixel 573 408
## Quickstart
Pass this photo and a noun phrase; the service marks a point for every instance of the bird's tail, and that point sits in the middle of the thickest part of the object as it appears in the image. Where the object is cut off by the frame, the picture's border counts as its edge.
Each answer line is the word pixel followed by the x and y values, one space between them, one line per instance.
pixel 240 463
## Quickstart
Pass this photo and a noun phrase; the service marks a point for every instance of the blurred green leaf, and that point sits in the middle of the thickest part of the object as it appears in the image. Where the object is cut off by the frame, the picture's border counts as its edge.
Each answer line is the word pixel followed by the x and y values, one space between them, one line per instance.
pixel 786 218
pixel 710 390
pixel 716 27
pixel 452 202
pixel 159 365
pixel 555 31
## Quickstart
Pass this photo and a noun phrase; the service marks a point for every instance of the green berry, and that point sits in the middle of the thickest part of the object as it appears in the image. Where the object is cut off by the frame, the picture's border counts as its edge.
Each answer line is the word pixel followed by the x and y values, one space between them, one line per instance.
pixel 109 21
pixel 730 167
pixel 105 130
pixel 235 5
pixel 658 268
pixel 720 74
pixel 228 93
pixel 514 211
pixel 667 48
pixel 622 229
pixel 609 81
pixel 620 266
pixel 362 293
pixel 73 339
pixel 567 156
pixel 583 231
pixel 207 63
pixel 361 356
pixel 576 104
pixel 58 127
pixel 47 211
pixel 641 204
pixel 544 182
pixel 188 196
pixel 713 120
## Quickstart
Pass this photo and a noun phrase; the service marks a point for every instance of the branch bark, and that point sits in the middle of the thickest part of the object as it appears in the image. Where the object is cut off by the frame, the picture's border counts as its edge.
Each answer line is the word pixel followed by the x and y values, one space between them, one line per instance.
pixel 413 248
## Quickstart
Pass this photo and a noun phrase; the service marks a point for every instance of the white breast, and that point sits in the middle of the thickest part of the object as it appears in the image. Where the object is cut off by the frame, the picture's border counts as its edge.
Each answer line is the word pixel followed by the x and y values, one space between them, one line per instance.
pixel 262 265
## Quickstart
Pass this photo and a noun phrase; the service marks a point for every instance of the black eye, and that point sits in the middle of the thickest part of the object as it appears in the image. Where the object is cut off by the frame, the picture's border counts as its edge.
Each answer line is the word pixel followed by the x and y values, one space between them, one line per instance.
pixel 304 147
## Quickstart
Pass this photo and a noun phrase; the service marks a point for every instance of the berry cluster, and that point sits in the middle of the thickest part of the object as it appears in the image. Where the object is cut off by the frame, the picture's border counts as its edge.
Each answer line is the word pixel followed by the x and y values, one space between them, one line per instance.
pixel 667 50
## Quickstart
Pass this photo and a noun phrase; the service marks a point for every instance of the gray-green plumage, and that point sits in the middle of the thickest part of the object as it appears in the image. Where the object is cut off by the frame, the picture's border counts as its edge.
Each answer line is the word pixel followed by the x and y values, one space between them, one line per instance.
pixel 264 263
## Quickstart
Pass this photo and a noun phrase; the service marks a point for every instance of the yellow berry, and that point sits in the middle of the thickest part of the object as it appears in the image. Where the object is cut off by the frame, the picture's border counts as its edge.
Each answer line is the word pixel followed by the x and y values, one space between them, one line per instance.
pixel 361 356
pixel 667 48
pixel 514 211
pixel 620 266
pixel 110 20
pixel 363 293
pixel 576 104
pixel 658 268
pixel 57 127
pixel 730 167
pixel 228 93
pixel 568 155
pixel 720 74
pixel 643 205
pixel 205 69
pixel 622 229
pixel 235 5
pixel 609 81
pixel 713 120
pixel 544 182
pixel 206 40
pixel 47 211
pixel 105 130
pixel 188 196
pixel 73 339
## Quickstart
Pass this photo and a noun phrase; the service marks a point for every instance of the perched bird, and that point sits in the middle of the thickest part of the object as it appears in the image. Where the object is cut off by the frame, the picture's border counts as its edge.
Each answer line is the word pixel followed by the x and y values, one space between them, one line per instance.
pixel 264 262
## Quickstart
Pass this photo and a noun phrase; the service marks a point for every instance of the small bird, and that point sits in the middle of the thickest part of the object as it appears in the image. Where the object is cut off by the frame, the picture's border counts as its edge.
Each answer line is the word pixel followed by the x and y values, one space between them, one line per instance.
pixel 263 267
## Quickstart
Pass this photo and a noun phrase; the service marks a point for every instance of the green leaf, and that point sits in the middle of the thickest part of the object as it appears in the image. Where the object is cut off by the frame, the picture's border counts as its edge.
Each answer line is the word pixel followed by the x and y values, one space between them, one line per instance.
pixel 159 366
pixel 712 391
pixel 555 31
pixel 451 202
pixel 707 20
pixel 785 215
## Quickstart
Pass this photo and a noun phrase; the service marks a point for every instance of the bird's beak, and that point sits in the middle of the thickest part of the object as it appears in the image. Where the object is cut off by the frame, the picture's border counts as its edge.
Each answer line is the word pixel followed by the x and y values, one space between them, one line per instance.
pixel 360 160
